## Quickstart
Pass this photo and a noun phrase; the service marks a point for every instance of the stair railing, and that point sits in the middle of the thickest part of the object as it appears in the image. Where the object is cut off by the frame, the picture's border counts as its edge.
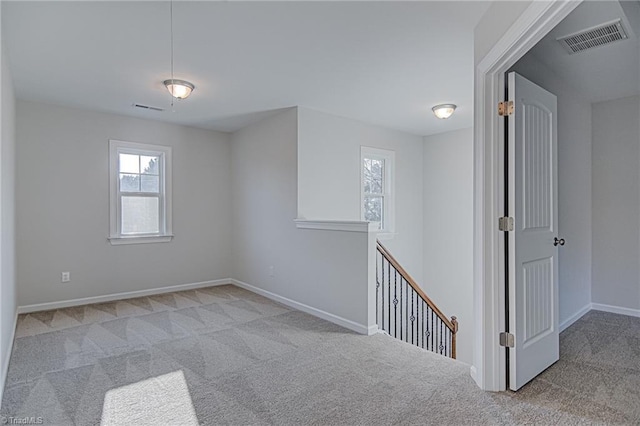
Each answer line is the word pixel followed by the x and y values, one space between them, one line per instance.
pixel 405 312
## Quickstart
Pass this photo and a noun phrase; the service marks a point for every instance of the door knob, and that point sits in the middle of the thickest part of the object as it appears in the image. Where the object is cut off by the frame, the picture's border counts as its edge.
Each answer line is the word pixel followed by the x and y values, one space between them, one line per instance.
pixel 558 242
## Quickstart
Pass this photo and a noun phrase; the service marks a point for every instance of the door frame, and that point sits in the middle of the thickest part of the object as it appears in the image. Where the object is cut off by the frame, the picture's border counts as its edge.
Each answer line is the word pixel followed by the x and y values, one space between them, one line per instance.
pixel 489 361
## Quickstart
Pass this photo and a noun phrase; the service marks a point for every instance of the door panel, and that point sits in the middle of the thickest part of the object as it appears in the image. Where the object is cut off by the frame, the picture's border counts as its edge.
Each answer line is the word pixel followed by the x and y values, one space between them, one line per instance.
pixel 538 302
pixel 533 261
pixel 537 209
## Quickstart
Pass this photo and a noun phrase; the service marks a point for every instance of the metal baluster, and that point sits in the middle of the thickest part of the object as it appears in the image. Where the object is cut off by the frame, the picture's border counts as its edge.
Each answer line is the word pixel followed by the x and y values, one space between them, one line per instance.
pixel 428 328
pixel 422 323
pixel 406 312
pixel 401 280
pixel 445 341
pixel 405 316
pixel 377 291
pixel 433 329
pixel 428 332
pixel 406 320
pixel 418 316
pixel 425 332
pixel 383 287
pixel 435 332
pixel 417 323
pixel 413 318
pixel 395 304
pixel 389 296
pixel 409 322
pixel 440 347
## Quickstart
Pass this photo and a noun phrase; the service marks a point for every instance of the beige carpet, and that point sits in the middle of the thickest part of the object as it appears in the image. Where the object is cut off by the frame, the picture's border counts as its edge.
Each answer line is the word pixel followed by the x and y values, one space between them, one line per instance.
pixel 597 378
pixel 223 355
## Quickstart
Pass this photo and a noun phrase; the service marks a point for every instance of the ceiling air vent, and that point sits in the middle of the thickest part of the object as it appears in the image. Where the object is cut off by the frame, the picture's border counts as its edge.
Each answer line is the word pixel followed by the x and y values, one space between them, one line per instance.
pixel 593 37
pixel 147 107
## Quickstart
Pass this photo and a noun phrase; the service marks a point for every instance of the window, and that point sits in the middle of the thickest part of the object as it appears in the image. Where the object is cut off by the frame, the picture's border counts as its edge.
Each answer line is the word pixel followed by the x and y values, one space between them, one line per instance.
pixel 377 187
pixel 140 201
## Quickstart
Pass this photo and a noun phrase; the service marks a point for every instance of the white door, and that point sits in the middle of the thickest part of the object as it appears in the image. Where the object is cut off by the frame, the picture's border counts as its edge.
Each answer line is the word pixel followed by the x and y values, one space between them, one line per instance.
pixel 533 249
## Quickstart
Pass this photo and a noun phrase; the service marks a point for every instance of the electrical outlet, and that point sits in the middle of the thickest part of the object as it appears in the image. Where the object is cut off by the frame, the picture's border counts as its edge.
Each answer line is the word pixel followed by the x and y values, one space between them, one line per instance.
pixel 271 271
pixel 66 277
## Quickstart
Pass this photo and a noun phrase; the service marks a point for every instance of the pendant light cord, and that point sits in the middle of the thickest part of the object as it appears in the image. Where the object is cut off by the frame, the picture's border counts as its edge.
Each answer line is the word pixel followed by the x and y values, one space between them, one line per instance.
pixel 172 80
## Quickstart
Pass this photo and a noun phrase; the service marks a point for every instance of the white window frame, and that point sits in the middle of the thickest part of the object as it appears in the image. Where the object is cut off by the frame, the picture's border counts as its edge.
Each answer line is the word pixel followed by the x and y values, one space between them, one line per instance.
pixel 165 235
pixel 387 228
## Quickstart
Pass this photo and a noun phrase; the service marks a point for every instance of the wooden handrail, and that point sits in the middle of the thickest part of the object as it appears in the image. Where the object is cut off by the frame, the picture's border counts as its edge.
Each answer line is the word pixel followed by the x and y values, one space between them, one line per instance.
pixel 452 324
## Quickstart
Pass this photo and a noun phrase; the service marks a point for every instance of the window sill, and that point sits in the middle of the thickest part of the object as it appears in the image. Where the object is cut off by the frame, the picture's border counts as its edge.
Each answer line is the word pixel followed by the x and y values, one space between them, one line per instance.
pixel 117 241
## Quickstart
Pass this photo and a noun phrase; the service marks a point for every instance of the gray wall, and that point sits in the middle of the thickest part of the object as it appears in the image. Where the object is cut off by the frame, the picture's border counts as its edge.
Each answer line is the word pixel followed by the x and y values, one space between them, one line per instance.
pixel 63 207
pixel 448 229
pixel 326 270
pixel 329 177
pixel 616 203
pixel 8 298
pixel 574 187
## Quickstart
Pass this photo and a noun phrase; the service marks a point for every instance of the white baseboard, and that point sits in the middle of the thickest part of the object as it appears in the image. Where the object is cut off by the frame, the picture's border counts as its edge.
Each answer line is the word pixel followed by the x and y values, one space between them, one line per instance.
pixel 373 329
pixel 616 309
pixel 473 373
pixel 575 317
pixel 351 325
pixel 5 366
pixel 119 296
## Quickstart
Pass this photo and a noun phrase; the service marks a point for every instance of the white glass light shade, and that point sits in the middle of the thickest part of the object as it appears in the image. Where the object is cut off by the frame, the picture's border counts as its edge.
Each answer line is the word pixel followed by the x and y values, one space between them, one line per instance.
pixel 179 89
pixel 444 111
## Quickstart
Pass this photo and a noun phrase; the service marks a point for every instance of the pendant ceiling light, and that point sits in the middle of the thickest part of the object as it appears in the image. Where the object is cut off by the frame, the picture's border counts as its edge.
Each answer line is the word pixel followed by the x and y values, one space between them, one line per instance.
pixel 444 111
pixel 179 89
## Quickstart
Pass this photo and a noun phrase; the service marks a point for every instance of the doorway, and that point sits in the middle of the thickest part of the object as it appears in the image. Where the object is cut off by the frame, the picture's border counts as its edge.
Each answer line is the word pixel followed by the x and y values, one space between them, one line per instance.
pixel 575 193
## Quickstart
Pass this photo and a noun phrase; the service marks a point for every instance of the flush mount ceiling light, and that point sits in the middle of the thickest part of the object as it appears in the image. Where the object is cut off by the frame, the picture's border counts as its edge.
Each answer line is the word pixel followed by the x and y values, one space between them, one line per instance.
pixel 444 111
pixel 179 89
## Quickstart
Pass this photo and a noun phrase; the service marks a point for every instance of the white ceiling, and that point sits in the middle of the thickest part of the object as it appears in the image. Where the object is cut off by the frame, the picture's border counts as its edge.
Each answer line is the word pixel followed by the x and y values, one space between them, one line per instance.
pixel 602 73
pixel 385 63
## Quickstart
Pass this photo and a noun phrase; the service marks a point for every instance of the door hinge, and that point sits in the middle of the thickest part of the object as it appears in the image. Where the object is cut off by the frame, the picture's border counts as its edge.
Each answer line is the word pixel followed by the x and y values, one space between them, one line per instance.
pixel 505 108
pixel 507 340
pixel 505 224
